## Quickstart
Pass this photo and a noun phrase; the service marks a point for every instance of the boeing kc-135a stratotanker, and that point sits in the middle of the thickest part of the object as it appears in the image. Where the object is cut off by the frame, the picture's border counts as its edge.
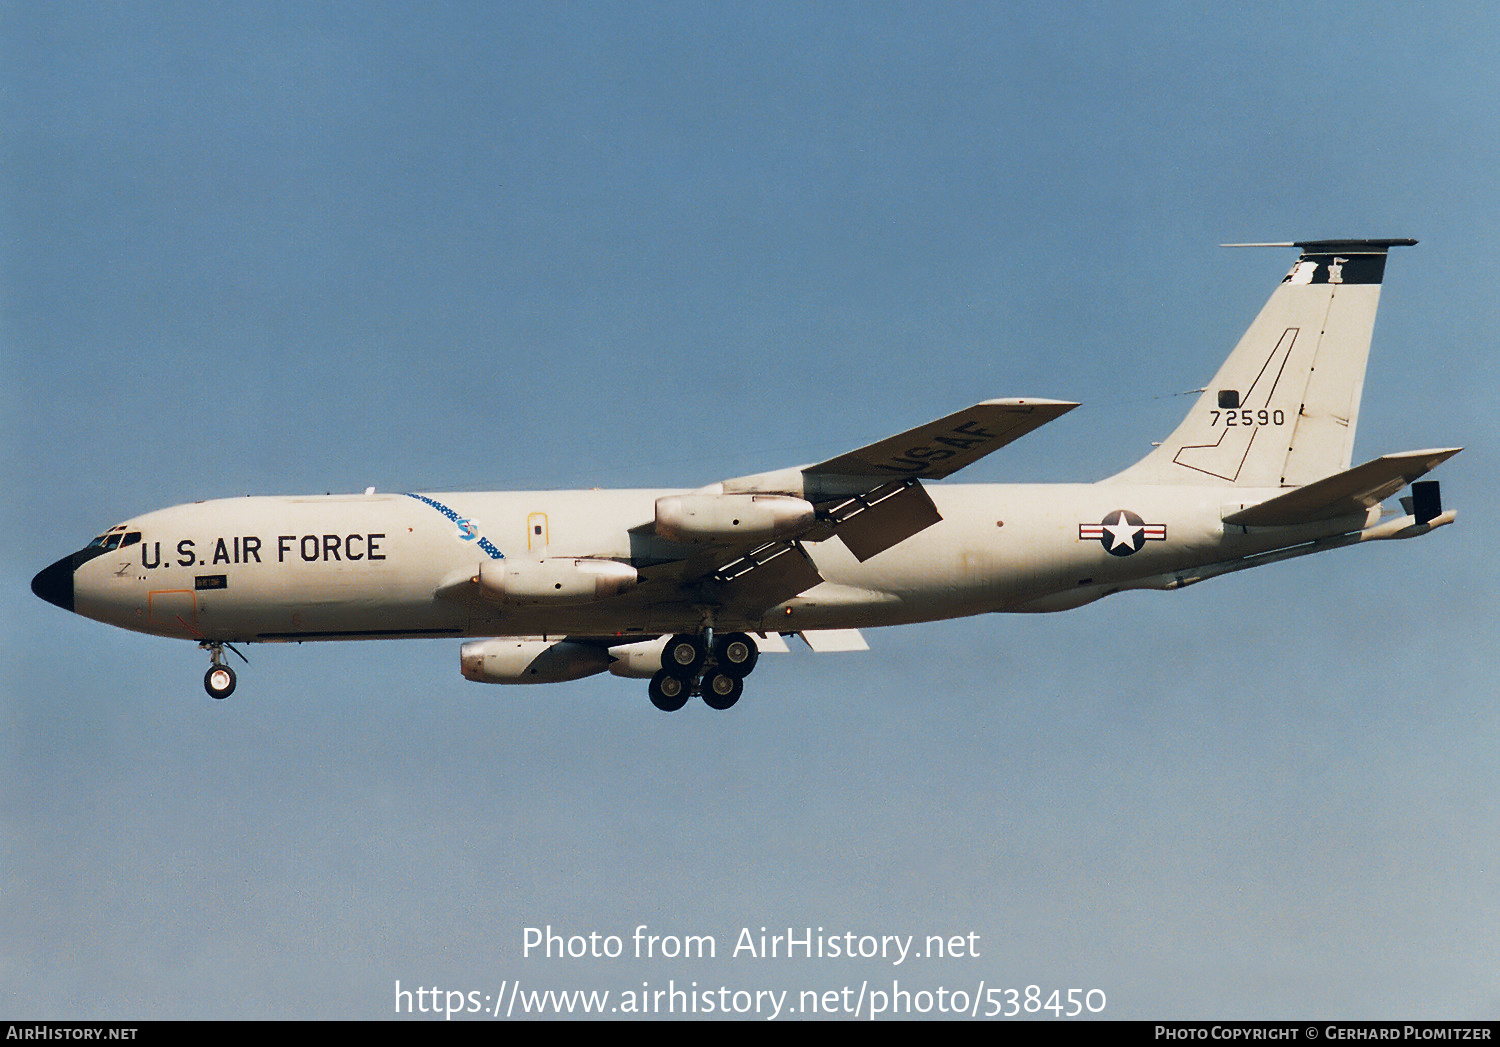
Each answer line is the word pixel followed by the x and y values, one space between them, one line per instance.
pixel 687 587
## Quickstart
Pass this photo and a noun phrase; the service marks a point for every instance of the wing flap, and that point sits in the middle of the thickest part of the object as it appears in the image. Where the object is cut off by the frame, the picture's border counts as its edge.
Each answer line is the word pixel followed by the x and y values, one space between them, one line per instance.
pixel 826 641
pixel 767 575
pixel 772 642
pixel 1343 494
pixel 887 516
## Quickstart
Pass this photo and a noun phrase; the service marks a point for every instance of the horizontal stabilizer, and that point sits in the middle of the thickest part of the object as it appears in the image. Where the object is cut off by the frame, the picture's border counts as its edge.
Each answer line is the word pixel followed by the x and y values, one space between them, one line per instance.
pixel 943 447
pixel 1344 494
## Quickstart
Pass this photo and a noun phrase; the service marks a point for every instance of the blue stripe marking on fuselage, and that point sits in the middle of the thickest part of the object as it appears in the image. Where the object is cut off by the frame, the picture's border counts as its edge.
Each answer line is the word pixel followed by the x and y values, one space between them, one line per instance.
pixel 484 543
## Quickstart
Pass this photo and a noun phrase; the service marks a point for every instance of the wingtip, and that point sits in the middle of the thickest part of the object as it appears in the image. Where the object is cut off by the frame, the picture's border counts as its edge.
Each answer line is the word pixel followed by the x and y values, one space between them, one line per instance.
pixel 1033 401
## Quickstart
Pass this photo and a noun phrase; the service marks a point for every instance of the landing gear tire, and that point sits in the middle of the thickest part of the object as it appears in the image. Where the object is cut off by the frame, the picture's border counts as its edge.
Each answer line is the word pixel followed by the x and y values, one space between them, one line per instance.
pixel 219 681
pixel 736 654
pixel 721 689
pixel 668 691
pixel 683 656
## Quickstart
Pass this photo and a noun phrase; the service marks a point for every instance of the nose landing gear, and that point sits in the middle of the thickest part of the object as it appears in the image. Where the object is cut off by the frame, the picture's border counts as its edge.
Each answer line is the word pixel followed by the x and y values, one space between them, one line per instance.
pixel 713 667
pixel 220 679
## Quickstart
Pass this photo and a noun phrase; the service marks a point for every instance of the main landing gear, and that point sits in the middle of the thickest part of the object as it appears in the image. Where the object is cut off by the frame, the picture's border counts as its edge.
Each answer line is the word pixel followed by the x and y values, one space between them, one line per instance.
pixel 220 679
pixel 704 665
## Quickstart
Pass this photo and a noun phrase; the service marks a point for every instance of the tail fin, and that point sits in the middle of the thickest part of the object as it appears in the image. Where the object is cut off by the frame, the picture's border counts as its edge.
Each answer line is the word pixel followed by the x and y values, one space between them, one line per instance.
pixel 1281 411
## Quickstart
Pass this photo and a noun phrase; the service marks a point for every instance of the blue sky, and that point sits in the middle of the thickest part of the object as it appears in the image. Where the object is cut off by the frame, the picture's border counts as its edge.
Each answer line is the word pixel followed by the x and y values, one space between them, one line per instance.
pixel 290 248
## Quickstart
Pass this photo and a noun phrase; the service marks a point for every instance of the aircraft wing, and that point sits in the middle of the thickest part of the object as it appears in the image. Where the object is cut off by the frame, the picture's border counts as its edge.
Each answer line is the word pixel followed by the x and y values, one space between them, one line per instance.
pixel 742 544
pixel 941 448
pixel 871 498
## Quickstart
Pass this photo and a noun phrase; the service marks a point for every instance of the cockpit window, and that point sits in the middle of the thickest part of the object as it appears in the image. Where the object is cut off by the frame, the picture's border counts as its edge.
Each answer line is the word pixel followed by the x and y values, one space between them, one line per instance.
pixel 114 538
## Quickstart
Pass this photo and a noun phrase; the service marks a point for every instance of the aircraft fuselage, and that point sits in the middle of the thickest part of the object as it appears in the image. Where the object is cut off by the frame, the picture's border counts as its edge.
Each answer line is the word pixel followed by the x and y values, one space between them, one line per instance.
pixel 376 565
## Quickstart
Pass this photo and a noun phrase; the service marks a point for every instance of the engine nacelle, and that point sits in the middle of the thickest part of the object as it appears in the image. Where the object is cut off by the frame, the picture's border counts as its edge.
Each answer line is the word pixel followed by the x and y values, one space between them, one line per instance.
pixel 529 661
pixel 730 517
pixel 640 660
pixel 554 580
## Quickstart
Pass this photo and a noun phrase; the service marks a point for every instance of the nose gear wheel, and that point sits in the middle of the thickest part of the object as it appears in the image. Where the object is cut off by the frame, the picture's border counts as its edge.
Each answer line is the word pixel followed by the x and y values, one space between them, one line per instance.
pixel 220 679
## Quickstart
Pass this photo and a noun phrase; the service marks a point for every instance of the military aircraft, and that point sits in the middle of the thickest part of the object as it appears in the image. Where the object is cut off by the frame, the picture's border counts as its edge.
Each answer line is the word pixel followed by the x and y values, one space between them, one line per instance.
pixel 687 587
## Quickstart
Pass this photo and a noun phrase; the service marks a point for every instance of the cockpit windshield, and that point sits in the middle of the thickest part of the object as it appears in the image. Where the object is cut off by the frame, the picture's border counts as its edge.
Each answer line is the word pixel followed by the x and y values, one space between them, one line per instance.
pixel 115 538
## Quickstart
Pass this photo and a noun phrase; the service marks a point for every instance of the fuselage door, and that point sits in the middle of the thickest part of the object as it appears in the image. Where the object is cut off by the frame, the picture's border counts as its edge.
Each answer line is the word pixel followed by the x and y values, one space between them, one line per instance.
pixel 173 610
pixel 536 532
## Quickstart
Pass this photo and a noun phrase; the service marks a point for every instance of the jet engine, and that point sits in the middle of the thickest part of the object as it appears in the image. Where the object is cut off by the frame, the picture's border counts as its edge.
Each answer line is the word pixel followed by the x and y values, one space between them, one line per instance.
pixel 641 660
pixel 730 517
pixel 554 580
pixel 529 661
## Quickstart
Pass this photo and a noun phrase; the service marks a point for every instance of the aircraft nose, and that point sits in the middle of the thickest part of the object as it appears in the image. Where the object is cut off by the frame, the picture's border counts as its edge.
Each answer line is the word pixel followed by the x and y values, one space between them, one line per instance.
pixel 55 584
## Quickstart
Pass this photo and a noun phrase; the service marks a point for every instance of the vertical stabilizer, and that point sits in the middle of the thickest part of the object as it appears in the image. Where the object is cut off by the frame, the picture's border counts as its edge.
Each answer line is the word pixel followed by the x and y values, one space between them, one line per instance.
pixel 1282 410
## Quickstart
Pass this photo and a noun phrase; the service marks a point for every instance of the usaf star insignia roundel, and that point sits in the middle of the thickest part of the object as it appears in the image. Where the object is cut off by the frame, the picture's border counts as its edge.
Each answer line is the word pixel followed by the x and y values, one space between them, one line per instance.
pixel 1121 532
